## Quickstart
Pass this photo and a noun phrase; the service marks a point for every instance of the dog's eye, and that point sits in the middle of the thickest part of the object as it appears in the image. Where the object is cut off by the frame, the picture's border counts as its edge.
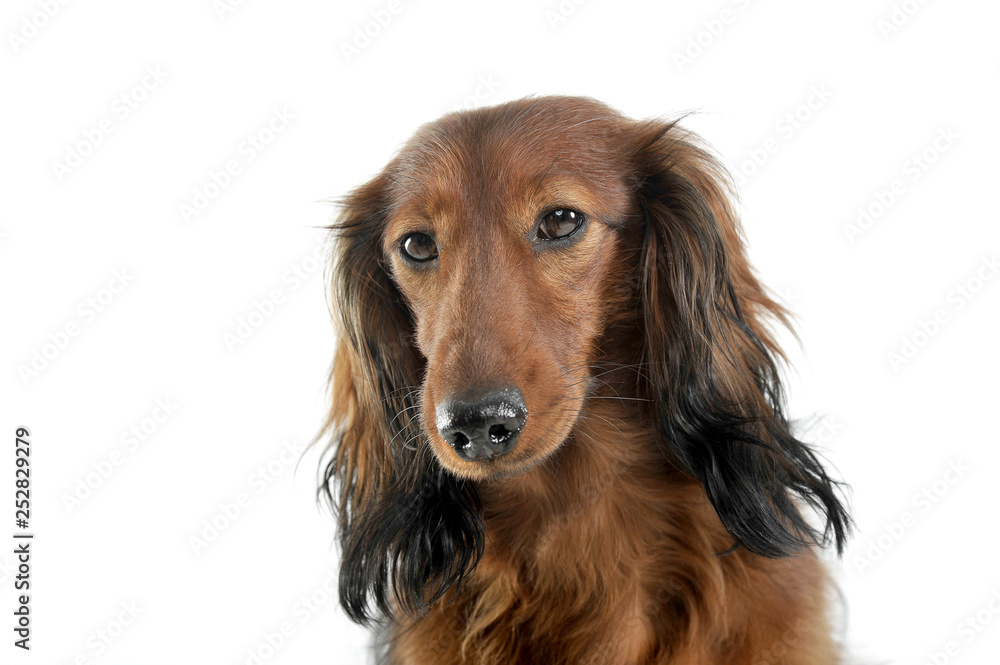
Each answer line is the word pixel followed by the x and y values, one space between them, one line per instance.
pixel 559 223
pixel 419 247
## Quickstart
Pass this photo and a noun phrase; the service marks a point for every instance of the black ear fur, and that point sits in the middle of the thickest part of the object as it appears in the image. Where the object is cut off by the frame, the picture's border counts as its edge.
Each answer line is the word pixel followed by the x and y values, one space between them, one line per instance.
pixel 411 546
pixel 712 364
pixel 408 529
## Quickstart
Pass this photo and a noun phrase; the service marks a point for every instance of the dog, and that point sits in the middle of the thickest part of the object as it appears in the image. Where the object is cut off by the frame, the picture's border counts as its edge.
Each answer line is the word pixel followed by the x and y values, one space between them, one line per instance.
pixel 557 433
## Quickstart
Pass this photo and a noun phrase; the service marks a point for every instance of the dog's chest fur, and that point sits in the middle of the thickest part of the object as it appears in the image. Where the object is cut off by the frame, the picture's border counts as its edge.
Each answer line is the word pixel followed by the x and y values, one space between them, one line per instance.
pixel 599 561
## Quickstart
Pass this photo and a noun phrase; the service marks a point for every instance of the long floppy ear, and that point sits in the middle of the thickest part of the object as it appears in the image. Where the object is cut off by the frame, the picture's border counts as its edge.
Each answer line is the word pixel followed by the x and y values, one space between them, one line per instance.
pixel 710 360
pixel 408 530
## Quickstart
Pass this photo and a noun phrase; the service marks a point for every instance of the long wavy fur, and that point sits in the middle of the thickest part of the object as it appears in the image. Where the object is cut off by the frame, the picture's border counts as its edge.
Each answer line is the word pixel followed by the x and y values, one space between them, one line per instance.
pixel 714 376
pixel 410 532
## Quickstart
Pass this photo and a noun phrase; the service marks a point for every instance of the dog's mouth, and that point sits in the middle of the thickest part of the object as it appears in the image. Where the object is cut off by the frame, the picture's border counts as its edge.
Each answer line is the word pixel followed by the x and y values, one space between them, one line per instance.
pixel 496 470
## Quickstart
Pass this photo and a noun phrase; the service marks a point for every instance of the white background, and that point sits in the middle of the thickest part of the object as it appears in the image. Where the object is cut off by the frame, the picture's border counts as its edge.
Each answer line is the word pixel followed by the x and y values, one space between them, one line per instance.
pixel 916 572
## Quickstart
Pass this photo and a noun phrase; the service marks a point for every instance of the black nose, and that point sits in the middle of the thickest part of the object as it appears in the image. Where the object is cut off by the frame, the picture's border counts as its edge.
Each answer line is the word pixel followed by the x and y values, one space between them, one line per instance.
pixel 482 425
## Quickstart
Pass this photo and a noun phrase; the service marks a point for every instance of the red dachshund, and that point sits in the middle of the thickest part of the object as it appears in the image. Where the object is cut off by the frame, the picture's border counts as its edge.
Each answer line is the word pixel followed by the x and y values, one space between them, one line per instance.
pixel 557 428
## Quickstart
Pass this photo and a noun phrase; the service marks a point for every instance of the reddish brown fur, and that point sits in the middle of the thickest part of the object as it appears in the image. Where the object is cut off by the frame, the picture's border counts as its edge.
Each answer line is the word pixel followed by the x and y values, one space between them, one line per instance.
pixel 599 550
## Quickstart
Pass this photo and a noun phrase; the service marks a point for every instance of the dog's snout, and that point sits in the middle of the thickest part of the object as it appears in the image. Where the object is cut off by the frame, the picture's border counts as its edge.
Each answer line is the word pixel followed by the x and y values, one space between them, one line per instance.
pixel 482 425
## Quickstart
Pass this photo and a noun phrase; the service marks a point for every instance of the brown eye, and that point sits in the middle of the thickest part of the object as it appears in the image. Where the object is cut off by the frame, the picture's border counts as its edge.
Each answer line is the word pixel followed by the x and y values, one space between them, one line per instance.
pixel 559 223
pixel 419 247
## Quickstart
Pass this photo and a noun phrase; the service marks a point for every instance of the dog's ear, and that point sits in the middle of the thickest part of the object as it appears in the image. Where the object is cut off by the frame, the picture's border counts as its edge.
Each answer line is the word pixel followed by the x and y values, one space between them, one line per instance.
pixel 710 360
pixel 408 530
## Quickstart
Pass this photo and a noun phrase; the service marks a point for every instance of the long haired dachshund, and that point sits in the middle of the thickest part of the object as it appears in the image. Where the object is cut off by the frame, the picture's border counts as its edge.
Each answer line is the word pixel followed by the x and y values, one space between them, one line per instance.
pixel 557 432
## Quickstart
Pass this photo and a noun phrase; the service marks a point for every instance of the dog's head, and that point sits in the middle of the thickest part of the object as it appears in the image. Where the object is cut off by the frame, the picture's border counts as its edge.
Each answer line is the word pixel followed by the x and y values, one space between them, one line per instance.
pixel 475 281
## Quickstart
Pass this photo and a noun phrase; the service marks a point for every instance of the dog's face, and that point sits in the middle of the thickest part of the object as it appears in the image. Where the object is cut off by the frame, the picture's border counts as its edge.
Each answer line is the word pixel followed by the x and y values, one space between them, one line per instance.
pixel 506 247
pixel 481 278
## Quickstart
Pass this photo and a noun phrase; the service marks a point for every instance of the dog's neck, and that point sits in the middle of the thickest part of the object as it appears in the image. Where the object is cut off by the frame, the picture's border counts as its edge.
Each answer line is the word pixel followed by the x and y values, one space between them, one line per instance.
pixel 596 524
pixel 591 537
pixel 605 553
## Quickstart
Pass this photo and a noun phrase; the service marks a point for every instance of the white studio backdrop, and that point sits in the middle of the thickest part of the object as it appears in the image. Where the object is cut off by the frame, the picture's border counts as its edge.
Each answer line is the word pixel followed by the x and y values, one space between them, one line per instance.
pixel 166 338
